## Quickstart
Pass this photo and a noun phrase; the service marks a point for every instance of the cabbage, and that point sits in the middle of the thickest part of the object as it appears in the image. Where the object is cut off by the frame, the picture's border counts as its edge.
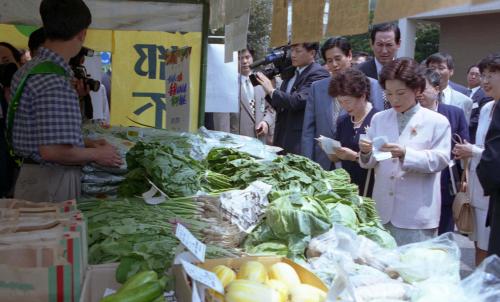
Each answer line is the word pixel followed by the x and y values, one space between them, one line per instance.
pixel 343 214
pixel 421 263
pixel 297 214
pixel 378 235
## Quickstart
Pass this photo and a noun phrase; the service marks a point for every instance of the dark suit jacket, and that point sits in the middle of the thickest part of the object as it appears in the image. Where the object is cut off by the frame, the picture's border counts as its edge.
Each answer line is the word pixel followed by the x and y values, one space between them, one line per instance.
pixel 489 177
pixel 479 98
pixel 290 108
pixel 458 124
pixel 369 68
pixel 462 89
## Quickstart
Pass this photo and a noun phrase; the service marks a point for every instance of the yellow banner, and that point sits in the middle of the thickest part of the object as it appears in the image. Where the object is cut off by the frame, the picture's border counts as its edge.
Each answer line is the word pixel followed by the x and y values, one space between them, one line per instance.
pixel 307 20
pixel 138 81
pixel 347 17
pixel 18 35
pixel 279 33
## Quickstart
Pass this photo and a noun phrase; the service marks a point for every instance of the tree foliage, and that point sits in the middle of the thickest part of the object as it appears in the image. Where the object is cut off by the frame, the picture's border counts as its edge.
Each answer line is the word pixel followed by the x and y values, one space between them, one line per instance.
pixel 259 28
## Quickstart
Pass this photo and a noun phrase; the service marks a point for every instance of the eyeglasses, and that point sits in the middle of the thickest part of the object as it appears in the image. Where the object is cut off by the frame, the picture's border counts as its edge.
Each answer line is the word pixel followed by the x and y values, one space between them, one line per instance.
pixel 489 76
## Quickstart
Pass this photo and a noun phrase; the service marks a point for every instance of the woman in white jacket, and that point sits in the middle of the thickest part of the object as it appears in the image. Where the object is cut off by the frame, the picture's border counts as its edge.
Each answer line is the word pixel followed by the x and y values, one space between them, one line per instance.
pixel 418 142
pixel 473 152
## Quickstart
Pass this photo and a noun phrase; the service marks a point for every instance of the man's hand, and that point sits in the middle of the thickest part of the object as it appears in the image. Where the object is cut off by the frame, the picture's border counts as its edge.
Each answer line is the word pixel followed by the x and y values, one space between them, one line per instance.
pixel 462 151
pixel 262 129
pixel 107 156
pixel 265 82
pixel 346 154
pixel 397 151
pixel 94 143
pixel 81 88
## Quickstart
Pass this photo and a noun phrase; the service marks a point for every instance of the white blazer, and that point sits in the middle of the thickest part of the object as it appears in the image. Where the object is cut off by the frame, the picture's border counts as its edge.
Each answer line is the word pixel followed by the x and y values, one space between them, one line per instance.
pixel 476 191
pixel 408 193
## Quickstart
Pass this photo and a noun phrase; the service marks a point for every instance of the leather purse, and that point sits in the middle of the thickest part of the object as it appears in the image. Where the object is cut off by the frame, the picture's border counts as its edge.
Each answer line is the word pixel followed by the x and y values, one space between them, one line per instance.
pixel 463 212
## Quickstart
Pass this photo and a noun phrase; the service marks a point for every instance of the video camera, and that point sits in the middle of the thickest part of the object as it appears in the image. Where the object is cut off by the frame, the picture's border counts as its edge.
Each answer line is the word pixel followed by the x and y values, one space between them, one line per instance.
pixel 281 61
pixel 80 71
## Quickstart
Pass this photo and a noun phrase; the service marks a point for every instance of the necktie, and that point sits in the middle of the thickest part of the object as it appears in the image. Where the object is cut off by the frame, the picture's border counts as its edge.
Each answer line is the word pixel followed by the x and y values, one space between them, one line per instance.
pixel 250 97
pixel 469 92
pixel 292 81
pixel 387 105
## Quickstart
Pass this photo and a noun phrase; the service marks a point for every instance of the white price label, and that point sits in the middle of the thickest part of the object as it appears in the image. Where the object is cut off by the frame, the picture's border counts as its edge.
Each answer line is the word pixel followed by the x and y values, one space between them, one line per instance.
pixel 205 277
pixel 196 247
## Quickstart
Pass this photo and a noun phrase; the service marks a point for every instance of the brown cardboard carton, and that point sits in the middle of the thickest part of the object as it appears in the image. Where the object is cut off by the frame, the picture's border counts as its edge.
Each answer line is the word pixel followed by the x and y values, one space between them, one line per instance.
pixel 98 278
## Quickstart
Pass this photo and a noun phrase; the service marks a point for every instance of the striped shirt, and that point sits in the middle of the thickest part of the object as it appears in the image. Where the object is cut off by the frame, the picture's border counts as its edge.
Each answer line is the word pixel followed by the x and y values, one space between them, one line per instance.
pixel 48 112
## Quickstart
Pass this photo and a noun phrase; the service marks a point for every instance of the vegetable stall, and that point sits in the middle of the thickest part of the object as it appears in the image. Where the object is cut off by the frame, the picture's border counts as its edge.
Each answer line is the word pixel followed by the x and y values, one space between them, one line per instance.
pixel 248 204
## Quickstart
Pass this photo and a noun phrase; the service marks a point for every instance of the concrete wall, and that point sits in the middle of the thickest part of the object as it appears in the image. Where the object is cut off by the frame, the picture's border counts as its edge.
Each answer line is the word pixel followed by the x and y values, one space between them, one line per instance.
pixel 469 39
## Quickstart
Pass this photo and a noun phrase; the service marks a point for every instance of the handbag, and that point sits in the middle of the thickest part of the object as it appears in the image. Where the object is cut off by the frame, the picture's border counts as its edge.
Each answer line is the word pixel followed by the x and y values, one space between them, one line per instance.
pixel 463 212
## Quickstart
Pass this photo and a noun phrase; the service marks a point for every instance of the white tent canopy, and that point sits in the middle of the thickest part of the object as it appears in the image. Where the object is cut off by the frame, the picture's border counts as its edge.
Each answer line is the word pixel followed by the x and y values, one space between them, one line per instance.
pixel 119 15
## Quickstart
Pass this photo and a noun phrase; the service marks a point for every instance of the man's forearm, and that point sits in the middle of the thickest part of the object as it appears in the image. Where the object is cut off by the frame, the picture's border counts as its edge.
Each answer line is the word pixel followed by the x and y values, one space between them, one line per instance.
pixel 67 154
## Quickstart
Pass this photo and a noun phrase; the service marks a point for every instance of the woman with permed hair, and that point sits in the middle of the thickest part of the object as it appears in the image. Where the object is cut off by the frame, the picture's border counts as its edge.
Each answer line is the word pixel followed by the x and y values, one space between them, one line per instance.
pixel 407 185
pixel 351 88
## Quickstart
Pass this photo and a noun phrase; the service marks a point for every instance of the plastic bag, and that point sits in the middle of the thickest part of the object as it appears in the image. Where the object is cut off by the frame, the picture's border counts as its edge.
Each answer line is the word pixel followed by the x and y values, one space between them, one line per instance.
pixel 437 258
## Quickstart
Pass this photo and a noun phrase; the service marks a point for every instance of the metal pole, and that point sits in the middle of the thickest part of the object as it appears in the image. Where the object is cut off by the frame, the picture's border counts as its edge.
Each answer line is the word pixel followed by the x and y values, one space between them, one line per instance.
pixel 203 68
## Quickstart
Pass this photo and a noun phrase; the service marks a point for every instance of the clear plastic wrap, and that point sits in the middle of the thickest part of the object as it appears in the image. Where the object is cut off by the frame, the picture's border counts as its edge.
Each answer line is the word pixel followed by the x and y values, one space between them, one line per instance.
pixel 435 258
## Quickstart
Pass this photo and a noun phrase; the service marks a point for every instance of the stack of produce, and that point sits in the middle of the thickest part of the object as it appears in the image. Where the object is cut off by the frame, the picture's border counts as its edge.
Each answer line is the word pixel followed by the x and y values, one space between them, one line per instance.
pixel 144 286
pixel 140 236
pixel 254 282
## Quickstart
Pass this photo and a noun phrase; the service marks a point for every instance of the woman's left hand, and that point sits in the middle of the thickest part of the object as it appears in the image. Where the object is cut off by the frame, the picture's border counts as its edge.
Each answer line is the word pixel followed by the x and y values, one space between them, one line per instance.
pixel 346 154
pixel 397 151
pixel 462 151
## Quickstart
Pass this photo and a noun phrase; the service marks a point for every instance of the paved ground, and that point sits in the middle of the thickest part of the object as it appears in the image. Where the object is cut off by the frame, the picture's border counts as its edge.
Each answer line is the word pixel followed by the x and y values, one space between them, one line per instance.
pixel 467 264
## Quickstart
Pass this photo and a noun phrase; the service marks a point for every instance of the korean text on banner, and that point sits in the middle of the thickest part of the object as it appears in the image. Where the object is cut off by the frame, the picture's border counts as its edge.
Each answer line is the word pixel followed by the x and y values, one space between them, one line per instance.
pixel 138 94
pixel 177 89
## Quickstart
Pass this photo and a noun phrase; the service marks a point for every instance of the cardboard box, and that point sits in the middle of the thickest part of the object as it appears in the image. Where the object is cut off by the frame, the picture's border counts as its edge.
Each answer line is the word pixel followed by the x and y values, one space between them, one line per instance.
pixel 98 278
pixel 183 291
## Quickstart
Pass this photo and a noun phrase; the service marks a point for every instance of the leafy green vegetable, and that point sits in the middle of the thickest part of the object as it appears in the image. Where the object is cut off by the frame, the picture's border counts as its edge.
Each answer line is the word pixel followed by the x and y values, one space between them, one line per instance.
pixel 378 235
pixel 343 214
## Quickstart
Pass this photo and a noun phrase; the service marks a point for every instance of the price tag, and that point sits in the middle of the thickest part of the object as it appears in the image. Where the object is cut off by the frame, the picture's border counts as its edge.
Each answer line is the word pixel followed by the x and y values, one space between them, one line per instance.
pixel 205 277
pixel 190 242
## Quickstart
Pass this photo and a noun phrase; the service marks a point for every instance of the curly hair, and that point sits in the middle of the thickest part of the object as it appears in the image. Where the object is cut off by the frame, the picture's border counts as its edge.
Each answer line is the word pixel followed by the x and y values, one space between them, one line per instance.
pixel 350 82
pixel 406 70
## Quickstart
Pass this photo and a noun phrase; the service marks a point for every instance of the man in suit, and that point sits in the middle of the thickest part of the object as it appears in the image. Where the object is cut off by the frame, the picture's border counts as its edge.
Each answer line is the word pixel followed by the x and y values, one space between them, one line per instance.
pixel 322 110
pixel 460 88
pixel 255 117
pixel 290 99
pixel 478 96
pixel 443 64
pixel 385 40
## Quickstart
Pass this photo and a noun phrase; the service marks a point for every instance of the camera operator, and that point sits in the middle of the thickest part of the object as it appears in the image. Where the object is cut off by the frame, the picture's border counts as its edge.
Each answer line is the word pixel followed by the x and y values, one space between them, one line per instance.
pixel 46 130
pixel 290 99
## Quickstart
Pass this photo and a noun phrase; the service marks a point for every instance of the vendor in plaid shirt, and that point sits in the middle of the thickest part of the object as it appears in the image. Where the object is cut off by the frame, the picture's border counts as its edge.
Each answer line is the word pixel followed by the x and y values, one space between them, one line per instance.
pixel 47 124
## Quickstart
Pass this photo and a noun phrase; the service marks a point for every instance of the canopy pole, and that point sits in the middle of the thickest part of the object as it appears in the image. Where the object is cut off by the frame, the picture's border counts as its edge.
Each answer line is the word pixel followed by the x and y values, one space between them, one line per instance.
pixel 203 68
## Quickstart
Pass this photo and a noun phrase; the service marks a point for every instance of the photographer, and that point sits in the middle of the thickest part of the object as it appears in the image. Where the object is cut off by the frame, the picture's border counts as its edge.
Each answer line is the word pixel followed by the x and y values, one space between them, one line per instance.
pixel 290 100
pixel 46 129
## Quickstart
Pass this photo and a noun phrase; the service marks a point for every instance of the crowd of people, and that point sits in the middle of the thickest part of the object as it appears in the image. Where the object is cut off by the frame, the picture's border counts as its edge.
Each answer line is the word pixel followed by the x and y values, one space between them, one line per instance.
pixel 407 132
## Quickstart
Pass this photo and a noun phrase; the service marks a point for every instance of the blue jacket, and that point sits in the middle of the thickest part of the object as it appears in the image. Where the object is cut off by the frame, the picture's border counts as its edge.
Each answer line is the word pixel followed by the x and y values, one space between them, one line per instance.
pixel 319 118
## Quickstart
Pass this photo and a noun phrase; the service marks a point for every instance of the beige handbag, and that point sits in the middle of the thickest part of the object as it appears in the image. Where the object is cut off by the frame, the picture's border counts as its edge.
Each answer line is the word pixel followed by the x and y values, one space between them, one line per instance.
pixel 463 213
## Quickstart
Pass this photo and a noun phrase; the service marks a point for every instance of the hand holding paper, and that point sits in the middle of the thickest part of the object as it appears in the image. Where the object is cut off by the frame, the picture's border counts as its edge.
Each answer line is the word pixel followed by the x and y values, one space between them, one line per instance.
pixel 328 145
pixel 378 153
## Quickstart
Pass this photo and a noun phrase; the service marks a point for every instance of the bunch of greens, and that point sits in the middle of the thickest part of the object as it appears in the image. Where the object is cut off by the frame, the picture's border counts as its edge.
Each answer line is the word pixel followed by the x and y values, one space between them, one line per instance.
pixel 139 236
pixel 175 174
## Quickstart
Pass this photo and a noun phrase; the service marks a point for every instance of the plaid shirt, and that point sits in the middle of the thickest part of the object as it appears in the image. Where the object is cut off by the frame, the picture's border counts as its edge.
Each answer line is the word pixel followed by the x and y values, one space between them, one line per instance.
pixel 48 112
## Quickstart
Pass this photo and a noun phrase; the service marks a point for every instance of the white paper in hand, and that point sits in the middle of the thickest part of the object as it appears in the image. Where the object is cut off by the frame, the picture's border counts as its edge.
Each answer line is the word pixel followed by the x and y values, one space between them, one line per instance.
pixel 205 277
pixel 196 247
pixel 328 145
pixel 378 142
